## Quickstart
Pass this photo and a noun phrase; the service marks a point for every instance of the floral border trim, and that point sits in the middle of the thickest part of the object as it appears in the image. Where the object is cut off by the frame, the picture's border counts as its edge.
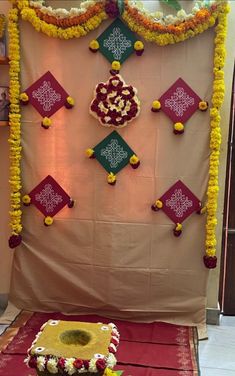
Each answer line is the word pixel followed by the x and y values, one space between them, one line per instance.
pixel 210 259
pixel 73 366
pixel 15 130
pixel 163 35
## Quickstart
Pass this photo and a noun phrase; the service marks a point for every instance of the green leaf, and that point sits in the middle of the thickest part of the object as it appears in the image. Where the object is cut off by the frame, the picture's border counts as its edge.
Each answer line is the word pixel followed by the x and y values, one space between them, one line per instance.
pixel 120 4
pixel 173 4
pixel 118 372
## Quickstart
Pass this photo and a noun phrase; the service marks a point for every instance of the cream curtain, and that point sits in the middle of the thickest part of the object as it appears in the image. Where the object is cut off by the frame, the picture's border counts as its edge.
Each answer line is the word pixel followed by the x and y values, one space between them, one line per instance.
pixel 111 254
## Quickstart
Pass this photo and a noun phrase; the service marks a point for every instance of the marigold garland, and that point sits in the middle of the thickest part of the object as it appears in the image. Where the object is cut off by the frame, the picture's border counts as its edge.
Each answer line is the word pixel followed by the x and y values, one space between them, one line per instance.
pixel 163 35
pixel 15 131
pixel 210 258
pixel 65 28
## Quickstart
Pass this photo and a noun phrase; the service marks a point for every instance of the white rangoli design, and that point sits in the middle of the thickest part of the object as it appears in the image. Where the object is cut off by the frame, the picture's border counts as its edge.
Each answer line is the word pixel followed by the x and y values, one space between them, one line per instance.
pixel 179 101
pixel 179 203
pixel 46 96
pixel 114 153
pixel 48 198
pixel 117 43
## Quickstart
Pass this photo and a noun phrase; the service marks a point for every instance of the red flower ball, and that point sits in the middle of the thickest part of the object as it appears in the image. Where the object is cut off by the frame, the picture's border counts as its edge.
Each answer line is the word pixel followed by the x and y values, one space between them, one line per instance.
pixel 78 363
pixel 33 362
pixel 86 364
pixel 111 9
pixel 100 364
pixel 210 261
pixel 61 363
pixel 14 241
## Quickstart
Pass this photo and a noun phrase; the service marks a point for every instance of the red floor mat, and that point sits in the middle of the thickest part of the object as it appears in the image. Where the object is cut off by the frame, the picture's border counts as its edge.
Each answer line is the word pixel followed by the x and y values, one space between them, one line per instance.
pixel 155 349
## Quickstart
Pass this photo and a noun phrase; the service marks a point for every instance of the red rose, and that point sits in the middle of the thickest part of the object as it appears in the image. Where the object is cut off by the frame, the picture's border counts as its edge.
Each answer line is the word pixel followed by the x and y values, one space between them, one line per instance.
pixel 100 364
pixel 78 363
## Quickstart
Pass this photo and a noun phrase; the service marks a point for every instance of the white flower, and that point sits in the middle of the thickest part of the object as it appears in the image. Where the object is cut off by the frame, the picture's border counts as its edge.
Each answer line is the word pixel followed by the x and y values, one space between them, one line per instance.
pixel 181 14
pixel 41 363
pixel 170 19
pixel 111 361
pixel 52 365
pixel 69 367
pixel 158 15
pixel 92 365
pixel 116 338
pixel 113 347
pixel 26 360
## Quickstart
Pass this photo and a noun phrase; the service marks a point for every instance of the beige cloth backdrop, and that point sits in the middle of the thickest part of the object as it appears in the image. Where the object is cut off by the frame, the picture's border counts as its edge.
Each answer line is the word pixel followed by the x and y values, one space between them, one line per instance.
pixel 111 254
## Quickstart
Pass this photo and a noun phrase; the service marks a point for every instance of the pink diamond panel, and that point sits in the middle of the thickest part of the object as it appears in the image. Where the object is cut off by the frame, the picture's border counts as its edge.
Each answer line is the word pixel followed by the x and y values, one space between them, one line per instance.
pixel 49 197
pixel 179 102
pixel 179 202
pixel 47 95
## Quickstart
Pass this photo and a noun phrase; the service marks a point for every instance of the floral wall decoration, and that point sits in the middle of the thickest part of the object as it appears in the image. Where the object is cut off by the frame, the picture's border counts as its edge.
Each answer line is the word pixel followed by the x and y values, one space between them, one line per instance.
pixel 152 27
pixel 115 103
pixel 179 103
pixel 47 96
pixel 48 197
pixel 178 203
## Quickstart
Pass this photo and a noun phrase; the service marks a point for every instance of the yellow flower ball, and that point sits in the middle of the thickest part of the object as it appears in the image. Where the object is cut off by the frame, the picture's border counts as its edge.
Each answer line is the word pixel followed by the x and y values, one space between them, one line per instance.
pixel 159 204
pixel 156 105
pixel 94 45
pixel 111 178
pixel 89 152
pixel 24 97
pixel 70 101
pixel 46 122
pixel 134 159
pixel 138 45
pixel 48 221
pixel 179 127
pixel 178 227
pixel 26 199
pixel 203 106
pixel 116 65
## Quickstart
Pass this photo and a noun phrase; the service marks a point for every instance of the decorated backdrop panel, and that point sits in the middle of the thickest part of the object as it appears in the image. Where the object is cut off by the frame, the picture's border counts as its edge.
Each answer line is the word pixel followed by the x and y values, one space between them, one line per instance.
pixel 111 253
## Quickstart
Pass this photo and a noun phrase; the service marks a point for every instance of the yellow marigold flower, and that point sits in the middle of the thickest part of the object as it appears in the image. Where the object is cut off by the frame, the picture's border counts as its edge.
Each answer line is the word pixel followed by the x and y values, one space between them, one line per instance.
pixel 178 227
pixel 156 105
pixel 116 65
pixel 134 159
pixel 179 127
pixel 24 97
pixel 159 204
pixel 109 372
pixel 138 45
pixel 48 221
pixel 26 199
pixel 111 178
pixel 46 122
pixel 70 101
pixel 89 152
pixel 94 45
pixel 203 106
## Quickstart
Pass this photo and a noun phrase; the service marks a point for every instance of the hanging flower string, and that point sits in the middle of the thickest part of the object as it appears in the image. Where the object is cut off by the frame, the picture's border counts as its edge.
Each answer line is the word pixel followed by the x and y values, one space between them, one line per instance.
pixel 2 25
pixel 15 131
pixel 152 30
pixel 210 258
pixel 63 25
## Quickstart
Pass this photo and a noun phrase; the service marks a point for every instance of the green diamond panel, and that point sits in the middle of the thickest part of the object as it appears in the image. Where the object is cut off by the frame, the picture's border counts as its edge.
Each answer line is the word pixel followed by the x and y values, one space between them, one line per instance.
pixel 117 42
pixel 113 153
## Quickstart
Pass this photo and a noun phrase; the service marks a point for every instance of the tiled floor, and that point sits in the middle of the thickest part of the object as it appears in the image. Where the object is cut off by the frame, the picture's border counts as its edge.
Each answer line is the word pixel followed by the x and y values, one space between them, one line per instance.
pixel 217 354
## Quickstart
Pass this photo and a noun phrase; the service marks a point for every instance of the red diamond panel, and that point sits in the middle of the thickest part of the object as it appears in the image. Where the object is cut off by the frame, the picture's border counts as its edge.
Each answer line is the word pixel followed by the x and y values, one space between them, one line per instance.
pixel 49 197
pixel 179 202
pixel 179 102
pixel 47 95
